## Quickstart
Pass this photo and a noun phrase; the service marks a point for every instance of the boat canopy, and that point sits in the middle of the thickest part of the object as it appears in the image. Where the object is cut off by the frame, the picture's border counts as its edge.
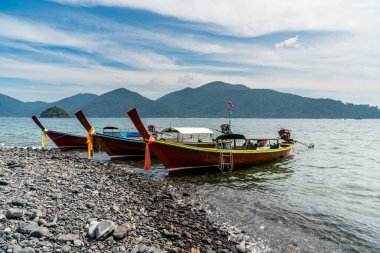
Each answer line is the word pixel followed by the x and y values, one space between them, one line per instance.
pixel 187 130
pixel 110 128
pixel 230 137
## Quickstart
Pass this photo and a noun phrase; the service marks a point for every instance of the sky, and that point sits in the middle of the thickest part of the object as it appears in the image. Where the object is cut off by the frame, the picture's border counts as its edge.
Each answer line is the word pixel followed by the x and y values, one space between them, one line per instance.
pixel 321 49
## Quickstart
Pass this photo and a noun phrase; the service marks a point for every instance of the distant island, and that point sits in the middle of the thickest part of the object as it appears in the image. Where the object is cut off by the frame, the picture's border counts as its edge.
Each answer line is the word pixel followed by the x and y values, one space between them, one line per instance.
pixel 55 112
pixel 206 101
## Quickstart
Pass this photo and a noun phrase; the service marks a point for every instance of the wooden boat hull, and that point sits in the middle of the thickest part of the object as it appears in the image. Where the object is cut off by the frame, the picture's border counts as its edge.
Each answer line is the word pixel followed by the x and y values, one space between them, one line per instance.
pixel 179 158
pixel 66 141
pixel 120 148
pixel 126 148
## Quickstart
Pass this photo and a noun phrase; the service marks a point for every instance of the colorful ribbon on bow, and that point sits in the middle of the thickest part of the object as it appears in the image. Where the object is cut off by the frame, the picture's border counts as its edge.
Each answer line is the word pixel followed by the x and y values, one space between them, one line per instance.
pixel 43 144
pixel 90 145
pixel 147 153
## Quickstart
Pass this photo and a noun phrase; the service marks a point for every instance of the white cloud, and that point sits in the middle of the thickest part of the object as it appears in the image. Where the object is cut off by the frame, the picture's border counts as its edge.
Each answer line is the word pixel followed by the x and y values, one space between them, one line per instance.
pixel 330 65
pixel 291 42
pixel 34 32
pixel 255 17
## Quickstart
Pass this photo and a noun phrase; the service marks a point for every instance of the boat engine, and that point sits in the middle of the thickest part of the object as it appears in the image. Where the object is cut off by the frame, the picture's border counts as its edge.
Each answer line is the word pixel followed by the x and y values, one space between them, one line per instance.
pixel 152 128
pixel 285 134
pixel 225 128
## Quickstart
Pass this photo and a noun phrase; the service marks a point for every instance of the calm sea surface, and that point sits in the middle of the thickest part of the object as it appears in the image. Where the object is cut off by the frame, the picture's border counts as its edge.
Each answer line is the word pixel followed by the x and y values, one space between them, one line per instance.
pixel 322 200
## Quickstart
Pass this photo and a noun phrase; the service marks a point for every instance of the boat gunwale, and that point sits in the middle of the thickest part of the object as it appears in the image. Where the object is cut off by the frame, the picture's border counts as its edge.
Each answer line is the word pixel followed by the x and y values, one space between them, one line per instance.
pixel 64 134
pixel 216 150
pixel 118 138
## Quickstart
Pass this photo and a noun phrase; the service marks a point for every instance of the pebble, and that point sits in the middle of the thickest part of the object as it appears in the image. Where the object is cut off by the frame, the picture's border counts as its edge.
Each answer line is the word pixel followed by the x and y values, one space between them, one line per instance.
pixel 90 204
pixel 40 232
pixel 36 213
pixel 120 232
pixel 78 243
pixel 115 208
pixel 104 229
pixel 240 248
pixel 91 229
pixel 27 227
pixel 3 182
pixel 67 237
pixel 14 213
pixel 66 249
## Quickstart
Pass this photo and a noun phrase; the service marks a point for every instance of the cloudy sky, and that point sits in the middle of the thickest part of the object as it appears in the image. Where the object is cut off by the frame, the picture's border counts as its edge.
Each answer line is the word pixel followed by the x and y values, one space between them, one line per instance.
pixel 325 48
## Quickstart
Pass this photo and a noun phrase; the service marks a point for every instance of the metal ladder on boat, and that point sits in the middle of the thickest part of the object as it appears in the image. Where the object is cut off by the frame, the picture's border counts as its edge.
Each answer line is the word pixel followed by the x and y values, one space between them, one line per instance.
pixel 226 160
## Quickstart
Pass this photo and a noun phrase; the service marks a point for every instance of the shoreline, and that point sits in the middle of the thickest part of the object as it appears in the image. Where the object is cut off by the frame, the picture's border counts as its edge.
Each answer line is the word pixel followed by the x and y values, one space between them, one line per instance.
pixel 56 202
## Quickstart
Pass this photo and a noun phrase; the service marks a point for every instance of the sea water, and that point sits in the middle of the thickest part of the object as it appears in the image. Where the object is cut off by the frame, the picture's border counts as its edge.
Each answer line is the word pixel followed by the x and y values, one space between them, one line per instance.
pixel 325 199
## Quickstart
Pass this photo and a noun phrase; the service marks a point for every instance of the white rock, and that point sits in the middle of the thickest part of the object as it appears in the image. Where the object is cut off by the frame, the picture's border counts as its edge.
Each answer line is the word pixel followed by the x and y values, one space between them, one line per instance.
pixel 104 229
pixel 91 229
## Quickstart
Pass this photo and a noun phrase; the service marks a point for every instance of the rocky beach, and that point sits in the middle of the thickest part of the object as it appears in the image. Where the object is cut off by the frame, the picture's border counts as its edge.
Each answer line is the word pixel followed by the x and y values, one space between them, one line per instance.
pixel 61 202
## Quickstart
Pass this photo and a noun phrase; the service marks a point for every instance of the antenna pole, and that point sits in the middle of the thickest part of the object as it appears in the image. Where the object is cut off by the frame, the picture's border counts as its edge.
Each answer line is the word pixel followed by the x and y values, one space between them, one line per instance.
pixel 229 116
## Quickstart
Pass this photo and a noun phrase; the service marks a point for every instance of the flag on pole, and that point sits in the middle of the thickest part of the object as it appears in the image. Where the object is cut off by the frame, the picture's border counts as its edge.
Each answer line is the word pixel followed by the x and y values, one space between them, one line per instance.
pixel 230 103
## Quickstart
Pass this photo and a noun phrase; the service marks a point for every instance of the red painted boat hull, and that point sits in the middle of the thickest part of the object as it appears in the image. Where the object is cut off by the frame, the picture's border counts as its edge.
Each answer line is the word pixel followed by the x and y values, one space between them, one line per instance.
pixel 126 148
pixel 66 141
pixel 121 148
pixel 179 158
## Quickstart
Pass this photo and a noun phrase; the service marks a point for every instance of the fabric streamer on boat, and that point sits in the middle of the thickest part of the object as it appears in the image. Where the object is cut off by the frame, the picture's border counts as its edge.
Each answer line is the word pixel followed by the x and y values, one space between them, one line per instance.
pixel 89 142
pixel 43 144
pixel 147 163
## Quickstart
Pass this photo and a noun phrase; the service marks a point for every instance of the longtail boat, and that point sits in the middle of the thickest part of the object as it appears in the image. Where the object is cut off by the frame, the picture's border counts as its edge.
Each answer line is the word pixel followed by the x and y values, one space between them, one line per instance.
pixel 115 146
pixel 177 157
pixel 130 145
pixel 64 141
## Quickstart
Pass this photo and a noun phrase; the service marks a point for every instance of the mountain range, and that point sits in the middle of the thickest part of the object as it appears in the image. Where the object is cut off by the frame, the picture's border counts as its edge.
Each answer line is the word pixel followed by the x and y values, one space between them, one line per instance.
pixel 209 100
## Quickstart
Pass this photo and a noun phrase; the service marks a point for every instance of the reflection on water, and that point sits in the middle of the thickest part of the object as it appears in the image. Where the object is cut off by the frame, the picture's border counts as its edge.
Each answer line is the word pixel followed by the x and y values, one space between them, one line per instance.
pixel 252 178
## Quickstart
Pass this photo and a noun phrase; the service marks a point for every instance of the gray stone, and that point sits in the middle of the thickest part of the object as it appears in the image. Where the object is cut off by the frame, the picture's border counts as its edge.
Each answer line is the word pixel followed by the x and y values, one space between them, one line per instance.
pixel 42 222
pixel 142 248
pixel 7 230
pixel 27 227
pixel 90 204
pixel 66 249
pixel 67 237
pixel 3 182
pixel 24 250
pixel 36 213
pixel 14 213
pixel 166 233
pixel 240 248
pixel 91 229
pixel 2 217
pixel 104 229
pixel 17 248
pixel 186 234
pixel 120 232
pixel 115 208
pixel 40 232
pixel 19 202
pixel 78 243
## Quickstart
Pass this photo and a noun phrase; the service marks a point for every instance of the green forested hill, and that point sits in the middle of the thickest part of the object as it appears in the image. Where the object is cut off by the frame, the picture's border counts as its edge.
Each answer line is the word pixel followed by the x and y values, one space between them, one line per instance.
pixel 209 100
pixel 55 112
pixel 116 103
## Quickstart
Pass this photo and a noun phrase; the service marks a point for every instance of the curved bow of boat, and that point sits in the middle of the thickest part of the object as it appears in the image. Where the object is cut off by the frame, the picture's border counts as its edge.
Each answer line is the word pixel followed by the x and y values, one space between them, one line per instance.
pixel 132 113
